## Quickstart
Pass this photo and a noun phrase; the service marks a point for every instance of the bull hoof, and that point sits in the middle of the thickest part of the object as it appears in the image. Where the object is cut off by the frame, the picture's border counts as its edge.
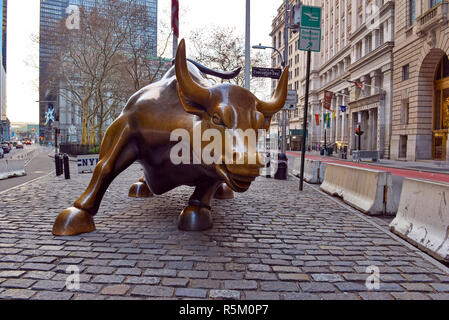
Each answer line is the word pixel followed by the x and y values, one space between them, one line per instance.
pixel 224 192
pixel 140 190
pixel 194 218
pixel 73 221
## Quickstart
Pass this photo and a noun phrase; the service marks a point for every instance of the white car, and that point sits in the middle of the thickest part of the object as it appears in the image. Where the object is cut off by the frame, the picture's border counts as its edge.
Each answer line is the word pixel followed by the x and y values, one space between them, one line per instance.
pixel 2 154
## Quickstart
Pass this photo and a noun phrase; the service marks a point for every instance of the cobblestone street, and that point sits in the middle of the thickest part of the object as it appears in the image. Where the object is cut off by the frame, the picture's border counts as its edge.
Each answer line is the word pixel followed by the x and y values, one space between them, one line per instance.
pixel 269 243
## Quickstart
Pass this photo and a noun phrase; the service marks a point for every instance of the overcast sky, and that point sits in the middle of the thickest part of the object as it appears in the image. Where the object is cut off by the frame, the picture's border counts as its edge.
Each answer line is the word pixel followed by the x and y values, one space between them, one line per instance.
pixel 23 52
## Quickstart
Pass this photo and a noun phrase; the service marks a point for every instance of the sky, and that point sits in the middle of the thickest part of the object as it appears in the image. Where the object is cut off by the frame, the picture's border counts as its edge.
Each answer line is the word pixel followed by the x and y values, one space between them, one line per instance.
pixel 23 51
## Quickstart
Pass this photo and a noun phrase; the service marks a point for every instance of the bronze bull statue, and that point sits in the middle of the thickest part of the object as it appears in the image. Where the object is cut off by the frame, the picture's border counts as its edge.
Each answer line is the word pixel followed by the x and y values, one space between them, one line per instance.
pixel 183 98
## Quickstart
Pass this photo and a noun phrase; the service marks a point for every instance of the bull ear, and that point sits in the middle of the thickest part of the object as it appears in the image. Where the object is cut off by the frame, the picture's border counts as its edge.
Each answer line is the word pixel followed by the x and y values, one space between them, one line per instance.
pixel 278 101
pixel 193 97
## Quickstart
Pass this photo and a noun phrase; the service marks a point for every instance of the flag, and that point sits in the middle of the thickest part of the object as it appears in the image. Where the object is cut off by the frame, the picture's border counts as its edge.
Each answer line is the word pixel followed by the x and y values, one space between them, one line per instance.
pixel 328 121
pixel 328 95
pixel 175 17
pixel 343 108
pixel 317 119
pixel 333 114
pixel 359 84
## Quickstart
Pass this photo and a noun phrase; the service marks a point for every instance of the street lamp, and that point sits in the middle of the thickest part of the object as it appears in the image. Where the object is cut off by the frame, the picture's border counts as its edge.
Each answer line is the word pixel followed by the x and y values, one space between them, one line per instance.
pixel 282 170
pixel 260 46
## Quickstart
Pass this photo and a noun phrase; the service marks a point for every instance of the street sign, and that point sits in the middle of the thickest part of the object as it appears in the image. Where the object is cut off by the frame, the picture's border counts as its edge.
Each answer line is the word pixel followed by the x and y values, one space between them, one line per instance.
pixel 310 39
pixel 272 73
pixel 87 163
pixel 311 17
pixel 291 101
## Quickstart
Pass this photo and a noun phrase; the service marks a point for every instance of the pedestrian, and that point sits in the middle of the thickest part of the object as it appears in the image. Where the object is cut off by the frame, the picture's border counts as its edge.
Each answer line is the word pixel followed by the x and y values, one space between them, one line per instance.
pixel 308 148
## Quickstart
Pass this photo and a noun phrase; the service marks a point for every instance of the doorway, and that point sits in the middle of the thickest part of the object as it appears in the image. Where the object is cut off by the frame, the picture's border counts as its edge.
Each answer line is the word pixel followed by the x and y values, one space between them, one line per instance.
pixel 441 111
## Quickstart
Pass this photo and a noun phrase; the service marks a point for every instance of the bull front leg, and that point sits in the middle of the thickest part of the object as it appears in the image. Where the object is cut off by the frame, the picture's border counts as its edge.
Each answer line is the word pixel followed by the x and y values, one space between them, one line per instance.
pixel 197 215
pixel 140 190
pixel 117 153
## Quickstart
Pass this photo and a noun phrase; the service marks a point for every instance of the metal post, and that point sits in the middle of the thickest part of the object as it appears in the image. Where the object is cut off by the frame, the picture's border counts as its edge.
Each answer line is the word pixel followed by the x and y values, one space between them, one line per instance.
pixel 325 140
pixel 284 112
pixel 66 167
pixel 304 132
pixel 282 169
pixel 61 164
pixel 247 44
pixel 360 137
pixel 57 163
pixel 175 46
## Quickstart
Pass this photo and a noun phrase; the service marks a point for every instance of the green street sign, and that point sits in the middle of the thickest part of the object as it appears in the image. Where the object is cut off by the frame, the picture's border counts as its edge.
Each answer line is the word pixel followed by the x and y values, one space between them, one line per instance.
pixel 311 17
pixel 310 39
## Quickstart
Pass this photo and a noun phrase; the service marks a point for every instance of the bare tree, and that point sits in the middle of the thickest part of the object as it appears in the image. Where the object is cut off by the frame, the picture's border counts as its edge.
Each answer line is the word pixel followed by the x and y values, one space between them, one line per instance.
pixel 100 65
pixel 222 49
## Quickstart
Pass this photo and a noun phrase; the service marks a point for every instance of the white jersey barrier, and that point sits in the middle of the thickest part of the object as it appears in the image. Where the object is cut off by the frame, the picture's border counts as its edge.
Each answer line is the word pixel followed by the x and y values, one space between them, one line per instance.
pixel 370 191
pixel 313 170
pixel 12 168
pixel 423 216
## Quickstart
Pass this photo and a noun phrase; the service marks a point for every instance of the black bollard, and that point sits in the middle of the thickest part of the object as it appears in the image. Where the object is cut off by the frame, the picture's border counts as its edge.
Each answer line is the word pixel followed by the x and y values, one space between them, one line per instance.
pixel 57 163
pixel 66 167
pixel 61 164
pixel 268 168
pixel 281 173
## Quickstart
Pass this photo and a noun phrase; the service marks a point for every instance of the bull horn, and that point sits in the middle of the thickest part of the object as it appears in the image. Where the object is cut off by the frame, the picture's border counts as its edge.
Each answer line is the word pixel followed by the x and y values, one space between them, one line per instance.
pixel 189 88
pixel 278 100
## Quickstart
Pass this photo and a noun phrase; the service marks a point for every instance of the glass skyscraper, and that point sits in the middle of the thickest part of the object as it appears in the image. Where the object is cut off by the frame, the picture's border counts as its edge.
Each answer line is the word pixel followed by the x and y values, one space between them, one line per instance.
pixel 51 12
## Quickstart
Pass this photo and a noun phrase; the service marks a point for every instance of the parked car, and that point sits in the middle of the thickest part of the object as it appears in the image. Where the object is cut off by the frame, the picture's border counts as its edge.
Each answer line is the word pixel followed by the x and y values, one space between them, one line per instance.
pixel 19 145
pixel 2 154
pixel 6 148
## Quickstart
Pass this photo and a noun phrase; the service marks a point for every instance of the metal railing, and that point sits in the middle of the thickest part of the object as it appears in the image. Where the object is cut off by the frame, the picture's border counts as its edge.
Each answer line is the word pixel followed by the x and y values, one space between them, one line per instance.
pixel 78 149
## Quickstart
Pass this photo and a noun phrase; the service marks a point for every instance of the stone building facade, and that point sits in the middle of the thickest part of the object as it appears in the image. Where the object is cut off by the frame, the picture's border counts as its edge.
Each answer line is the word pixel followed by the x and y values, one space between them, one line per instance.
pixel 421 81
pixel 357 46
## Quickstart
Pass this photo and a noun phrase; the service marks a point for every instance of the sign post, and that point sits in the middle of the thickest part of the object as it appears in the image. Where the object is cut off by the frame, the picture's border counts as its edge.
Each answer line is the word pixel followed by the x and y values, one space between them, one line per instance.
pixel 309 40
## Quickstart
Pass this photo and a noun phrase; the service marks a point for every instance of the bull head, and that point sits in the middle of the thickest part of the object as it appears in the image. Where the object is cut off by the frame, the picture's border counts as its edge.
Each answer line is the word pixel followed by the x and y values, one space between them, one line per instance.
pixel 229 108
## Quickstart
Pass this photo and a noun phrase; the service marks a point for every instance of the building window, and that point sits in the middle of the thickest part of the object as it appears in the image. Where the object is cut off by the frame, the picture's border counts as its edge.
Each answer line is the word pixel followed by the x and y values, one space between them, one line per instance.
pixel 279 39
pixel 411 12
pixel 406 72
pixel 405 111
pixel 433 3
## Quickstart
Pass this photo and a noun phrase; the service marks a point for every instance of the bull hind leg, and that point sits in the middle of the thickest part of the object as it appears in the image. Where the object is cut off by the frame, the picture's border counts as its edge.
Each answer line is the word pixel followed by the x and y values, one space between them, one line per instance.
pixel 197 215
pixel 117 153
pixel 224 192
pixel 140 190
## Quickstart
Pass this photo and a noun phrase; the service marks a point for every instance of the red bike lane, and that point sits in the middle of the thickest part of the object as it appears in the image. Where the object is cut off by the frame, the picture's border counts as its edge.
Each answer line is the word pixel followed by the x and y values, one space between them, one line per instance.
pixel 409 173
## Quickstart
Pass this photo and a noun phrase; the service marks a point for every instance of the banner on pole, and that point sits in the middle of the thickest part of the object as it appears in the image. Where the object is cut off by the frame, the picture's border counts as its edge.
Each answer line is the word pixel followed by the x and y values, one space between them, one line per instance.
pixel 317 119
pixel 175 17
pixel 328 95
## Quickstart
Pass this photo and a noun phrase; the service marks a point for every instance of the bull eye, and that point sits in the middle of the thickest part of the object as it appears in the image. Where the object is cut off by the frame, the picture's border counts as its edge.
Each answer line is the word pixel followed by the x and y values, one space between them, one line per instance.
pixel 217 120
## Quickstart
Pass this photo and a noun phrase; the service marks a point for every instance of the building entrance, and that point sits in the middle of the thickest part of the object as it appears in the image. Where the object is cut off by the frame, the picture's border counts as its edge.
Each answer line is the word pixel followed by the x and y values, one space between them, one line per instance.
pixel 441 111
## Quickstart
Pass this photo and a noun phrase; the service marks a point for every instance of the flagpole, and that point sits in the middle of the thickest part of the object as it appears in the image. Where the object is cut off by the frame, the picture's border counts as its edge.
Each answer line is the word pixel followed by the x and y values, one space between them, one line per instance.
pixel 247 44
pixel 175 25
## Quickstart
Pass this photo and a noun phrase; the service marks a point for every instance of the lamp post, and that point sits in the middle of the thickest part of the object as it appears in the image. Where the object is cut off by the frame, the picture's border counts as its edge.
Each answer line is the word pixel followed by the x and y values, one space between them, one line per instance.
pixel 282 172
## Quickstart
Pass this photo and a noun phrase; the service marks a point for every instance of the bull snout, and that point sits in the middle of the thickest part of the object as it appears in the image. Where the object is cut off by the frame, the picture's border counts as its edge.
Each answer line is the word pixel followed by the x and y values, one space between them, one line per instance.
pixel 245 164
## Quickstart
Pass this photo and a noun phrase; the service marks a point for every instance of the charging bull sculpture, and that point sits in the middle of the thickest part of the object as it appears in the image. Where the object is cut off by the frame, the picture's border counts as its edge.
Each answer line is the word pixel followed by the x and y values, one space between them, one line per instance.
pixel 183 98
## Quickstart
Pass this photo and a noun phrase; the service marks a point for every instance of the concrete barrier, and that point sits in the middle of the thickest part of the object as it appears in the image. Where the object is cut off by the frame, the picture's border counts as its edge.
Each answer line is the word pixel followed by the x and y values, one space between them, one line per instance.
pixel 423 216
pixel 314 170
pixel 12 168
pixel 370 191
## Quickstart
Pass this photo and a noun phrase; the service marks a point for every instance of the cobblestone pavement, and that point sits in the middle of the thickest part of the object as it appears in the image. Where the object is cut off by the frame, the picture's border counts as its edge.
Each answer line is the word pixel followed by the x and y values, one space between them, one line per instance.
pixel 269 243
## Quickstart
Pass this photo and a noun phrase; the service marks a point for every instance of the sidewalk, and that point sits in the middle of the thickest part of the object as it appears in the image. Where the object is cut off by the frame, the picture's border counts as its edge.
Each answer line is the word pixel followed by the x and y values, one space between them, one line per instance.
pixel 433 166
pixel 269 243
